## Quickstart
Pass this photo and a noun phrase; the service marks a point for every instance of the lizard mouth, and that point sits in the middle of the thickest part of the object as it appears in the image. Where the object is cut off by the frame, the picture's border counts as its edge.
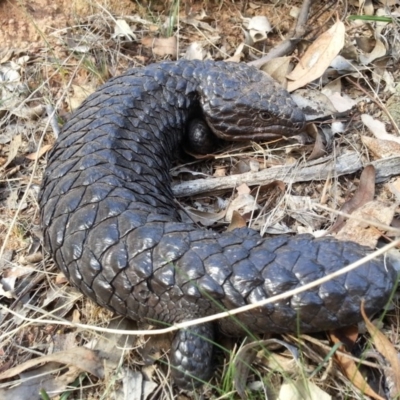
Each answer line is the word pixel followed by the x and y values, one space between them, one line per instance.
pixel 237 133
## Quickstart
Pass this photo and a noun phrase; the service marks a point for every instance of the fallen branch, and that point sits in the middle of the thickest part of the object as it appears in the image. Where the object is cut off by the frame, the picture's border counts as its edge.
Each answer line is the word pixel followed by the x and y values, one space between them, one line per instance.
pixel 316 170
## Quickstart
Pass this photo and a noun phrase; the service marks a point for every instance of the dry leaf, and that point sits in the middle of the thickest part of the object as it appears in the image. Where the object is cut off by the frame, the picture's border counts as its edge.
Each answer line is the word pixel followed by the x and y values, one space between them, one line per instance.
pixel 378 51
pixel 219 172
pixel 351 370
pixel 203 217
pixel 368 7
pixel 347 335
pixel 341 103
pixel 259 23
pixel 319 149
pixel 162 46
pixel 258 28
pixel 365 233
pixel 302 390
pixel 393 106
pixel 318 57
pixel 237 221
pixel 134 386
pixel 381 148
pixel 43 150
pixel 81 357
pixel 5 292
pixel 13 149
pixel 394 187
pixel 237 56
pixel 111 347
pixel 387 349
pixel 364 194
pixel 12 200
pixel 123 31
pixel 243 166
pixel 81 92
pixel 313 103
pixel 247 354
pixel 195 51
pixel 61 279
pixel 243 189
pixel 278 68
pixel 198 22
pixel 377 128
pixel 29 112
pixel 333 86
pixel 47 378
pixel 244 203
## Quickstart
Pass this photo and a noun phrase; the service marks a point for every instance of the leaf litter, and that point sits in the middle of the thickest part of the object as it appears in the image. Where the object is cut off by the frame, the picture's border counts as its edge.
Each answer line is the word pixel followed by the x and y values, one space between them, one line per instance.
pixel 80 55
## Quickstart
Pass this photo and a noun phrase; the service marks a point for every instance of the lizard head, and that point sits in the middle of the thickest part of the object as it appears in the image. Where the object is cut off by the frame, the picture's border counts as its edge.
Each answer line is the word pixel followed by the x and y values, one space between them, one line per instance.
pixel 240 102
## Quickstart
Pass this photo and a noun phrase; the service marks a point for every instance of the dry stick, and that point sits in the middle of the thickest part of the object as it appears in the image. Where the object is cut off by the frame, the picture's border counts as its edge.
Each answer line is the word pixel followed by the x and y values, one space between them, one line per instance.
pixel 288 45
pixel 225 314
pixel 309 171
pixel 377 102
pixel 315 170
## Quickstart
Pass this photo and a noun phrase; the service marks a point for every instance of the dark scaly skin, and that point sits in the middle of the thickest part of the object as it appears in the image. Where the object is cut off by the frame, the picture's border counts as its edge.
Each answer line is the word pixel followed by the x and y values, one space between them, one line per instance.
pixel 111 224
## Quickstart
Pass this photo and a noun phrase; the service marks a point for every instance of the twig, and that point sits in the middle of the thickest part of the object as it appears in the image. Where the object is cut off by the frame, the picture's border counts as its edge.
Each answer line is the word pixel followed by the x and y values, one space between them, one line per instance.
pixel 315 170
pixel 295 35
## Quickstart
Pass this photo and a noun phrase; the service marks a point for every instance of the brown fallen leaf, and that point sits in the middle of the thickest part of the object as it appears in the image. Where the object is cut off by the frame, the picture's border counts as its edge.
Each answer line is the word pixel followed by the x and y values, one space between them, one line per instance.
pixel 364 194
pixel 162 46
pixel 243 360
pixel 302 389
pixel 393 106
pixel 243 189
pixel 243 203
pixel 13 149
pixel 394 187
pixel 378 51
pixel 378 128
pixel 351 370
pixel 269 193
pixel 342 103
pixel 381 148
pixel 219 172
pixel 314 103
pixel 237 221
pixel 319 149
pixel 203 217
pixel 81 357
pixel 278 68
pixel 247 354
pixel 383 345
pixel 358 230
pixel 47 378
pixel 43 150
pixel 80 93
pixel 318 57
pixel 348 335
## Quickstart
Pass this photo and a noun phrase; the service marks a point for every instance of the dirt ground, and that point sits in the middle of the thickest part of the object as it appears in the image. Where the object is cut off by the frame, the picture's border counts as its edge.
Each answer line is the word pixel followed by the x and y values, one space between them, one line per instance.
pixel 54 343
pixel 25 24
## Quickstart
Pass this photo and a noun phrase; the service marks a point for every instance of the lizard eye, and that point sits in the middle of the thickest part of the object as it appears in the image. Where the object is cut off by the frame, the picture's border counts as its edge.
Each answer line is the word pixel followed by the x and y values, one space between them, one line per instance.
pixel 265 115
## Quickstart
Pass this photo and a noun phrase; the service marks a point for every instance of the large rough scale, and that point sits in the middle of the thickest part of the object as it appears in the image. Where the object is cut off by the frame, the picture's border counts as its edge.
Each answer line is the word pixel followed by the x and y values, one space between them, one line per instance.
pixel 112 226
